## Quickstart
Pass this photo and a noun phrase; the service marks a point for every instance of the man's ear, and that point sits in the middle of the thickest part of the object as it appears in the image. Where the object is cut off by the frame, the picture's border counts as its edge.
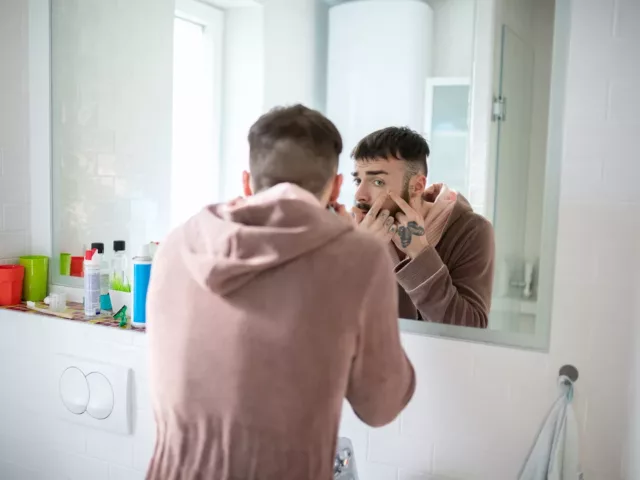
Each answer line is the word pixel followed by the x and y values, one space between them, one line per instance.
pixel 335 189
pixel 246 184
pixel 417 185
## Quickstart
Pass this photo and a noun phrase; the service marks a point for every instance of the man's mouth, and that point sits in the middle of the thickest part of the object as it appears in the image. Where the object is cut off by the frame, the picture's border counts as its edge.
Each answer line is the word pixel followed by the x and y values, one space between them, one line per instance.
pixel 363 206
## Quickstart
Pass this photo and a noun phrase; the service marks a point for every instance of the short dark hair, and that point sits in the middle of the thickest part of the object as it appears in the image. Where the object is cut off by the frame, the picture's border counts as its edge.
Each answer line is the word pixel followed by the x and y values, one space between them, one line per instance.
pixel 294 145
pixel 400 143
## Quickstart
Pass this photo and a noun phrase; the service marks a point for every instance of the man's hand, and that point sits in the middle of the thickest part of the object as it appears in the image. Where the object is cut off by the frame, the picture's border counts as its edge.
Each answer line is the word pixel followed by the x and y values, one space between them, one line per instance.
pixel 377 222
pixel 410 237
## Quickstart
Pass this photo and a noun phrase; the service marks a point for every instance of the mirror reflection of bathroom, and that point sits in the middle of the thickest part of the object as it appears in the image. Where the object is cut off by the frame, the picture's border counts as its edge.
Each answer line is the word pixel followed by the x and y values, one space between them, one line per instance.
pixel 179 97
pixel 518 152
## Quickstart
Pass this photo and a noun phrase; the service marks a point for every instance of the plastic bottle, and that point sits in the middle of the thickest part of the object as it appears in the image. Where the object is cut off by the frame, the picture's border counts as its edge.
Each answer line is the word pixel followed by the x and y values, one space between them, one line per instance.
pixel 105 299
pixel 141 276
pixel 92 261
pixel 119 272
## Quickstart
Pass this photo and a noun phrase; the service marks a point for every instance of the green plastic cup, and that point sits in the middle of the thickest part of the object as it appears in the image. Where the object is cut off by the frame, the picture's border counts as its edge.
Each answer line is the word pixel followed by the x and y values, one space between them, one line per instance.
pixel 65 264
pixel 36 277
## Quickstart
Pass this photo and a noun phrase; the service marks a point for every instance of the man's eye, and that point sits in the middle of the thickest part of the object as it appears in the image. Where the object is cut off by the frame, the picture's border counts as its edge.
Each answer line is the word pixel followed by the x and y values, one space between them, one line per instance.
pixel 356 181
pixel 378 183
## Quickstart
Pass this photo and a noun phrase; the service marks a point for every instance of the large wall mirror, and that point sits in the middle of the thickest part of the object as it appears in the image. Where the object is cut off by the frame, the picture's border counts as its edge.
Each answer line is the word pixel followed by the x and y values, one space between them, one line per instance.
pixel 152 101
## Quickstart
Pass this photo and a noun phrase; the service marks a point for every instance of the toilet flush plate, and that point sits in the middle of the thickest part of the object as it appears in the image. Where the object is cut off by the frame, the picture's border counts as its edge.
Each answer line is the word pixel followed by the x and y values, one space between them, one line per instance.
pixel 94 394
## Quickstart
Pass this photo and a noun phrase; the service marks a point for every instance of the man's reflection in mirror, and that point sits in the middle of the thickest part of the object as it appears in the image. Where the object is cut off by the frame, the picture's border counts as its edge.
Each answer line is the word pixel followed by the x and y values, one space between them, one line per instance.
pixel 443 252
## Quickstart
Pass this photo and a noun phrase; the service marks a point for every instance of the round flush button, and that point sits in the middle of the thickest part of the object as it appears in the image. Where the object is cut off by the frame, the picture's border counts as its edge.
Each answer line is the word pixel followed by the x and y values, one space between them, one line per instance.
pixel 101 400
pixel 74 390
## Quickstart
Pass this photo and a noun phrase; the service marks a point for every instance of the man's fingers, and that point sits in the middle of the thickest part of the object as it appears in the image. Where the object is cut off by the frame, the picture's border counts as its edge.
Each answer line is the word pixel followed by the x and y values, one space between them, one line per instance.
pixel 342 212
pixel 377 206
pixel 416 202
pixel 390 232
pixel 358 215
pixel 402 218
pixel 404 206
pixel 383 216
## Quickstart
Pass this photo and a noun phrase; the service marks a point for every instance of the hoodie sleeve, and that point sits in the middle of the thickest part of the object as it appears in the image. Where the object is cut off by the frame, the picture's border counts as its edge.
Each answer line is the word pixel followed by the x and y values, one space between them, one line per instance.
pixel 382 379
pixel 458 294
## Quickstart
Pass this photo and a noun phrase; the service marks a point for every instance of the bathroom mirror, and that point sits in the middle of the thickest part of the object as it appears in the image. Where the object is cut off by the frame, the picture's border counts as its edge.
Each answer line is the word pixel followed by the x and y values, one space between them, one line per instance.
pixel 152 101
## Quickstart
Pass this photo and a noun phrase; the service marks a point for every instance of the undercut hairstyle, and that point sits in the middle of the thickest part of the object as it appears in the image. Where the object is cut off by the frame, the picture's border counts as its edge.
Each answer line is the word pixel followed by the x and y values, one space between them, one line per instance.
pixel 400 143
pixel 294 145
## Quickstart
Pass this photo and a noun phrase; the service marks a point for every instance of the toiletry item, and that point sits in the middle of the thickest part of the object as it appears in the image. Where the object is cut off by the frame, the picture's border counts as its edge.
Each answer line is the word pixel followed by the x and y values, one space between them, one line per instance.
pixel 36 277
pixel 99 246
pixel 57 302
pixel 120 299
pixel 119 269
pixel 121 316
pixel 141 276
pixel 67 313
pixel 11 278
pixel 65 264
pixel 153 248
pixel 105 300
pixel 77 269
pixel 92 261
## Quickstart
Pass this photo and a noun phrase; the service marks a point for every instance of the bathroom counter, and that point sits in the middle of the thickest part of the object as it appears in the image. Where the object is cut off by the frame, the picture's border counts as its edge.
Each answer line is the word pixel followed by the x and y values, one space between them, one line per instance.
pixel 76 314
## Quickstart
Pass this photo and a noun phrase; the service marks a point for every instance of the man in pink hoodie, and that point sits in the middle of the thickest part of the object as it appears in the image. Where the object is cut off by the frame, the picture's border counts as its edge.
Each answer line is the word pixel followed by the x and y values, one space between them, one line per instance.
pixel 265 313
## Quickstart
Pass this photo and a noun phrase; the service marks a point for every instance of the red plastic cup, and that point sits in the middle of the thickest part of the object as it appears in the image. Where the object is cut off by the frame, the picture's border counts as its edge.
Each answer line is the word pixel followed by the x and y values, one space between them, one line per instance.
pixel 77 266
pixel 11 277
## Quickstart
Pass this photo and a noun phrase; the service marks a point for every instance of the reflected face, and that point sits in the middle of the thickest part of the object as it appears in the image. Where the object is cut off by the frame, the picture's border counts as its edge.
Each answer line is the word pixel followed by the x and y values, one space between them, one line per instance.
pixel 377 177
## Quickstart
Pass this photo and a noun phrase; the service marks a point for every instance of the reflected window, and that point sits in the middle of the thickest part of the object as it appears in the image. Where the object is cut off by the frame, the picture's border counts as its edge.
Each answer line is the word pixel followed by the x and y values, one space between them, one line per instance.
pixel 195 151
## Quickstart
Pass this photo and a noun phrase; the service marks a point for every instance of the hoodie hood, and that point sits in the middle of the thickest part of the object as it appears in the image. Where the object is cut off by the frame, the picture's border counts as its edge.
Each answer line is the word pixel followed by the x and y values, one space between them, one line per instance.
pixel 227 245
pixel 446 207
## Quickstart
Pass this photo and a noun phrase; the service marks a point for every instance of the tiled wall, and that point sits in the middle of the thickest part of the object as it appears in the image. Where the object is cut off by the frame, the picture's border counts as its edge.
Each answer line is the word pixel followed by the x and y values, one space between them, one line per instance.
pixel 14 147
pixel 37 445
pixel 477 407
pixel 111 122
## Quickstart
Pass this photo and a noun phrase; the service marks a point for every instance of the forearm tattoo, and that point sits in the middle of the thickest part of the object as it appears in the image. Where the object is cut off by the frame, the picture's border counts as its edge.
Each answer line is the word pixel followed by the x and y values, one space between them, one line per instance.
pixel 406 233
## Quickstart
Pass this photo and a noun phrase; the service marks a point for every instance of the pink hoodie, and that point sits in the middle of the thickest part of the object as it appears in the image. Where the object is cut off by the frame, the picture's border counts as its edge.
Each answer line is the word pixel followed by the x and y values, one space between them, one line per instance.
pixel 263 314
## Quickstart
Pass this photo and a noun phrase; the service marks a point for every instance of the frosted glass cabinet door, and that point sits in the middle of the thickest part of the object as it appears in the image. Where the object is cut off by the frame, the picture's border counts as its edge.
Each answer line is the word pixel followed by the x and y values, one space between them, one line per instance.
pixel 447 129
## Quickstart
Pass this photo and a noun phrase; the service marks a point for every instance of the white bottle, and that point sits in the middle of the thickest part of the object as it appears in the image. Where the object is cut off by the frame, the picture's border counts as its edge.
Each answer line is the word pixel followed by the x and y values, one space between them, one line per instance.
pixel 119 267
pixel 92 260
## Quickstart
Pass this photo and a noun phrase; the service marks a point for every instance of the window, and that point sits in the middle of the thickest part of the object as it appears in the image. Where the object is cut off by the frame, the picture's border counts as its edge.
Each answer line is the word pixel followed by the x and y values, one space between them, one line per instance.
pixel 197 53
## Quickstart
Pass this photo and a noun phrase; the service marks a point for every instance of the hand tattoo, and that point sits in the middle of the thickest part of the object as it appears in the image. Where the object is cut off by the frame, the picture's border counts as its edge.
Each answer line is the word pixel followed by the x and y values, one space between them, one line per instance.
pixel 406 233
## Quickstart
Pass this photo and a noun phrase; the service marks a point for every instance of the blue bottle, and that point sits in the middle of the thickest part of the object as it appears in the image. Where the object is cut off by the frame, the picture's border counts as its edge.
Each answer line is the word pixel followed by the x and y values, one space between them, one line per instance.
pixel 140 286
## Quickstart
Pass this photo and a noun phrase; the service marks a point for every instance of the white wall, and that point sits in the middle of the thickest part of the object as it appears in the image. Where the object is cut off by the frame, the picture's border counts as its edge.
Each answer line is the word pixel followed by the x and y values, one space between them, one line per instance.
pixel 14 131
pixel 541 39
pixel 243 86
pixel 111 119
pixel 468 395
pixel 292 30
pixel 37 445
pixel 453 38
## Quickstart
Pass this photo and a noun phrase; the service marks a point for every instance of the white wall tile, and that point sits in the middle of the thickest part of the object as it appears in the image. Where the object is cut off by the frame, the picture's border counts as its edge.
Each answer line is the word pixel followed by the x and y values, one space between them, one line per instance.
pixel 16 217
pixel 119 473
pixel 411 452
pixel 112 448
pixel 76 467
pixel 376 471
pixel 14 132
pixel 11 471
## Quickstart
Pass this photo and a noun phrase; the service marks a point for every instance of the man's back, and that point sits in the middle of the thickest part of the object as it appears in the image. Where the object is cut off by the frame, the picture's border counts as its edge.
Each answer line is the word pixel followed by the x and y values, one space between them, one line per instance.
pixel 263 316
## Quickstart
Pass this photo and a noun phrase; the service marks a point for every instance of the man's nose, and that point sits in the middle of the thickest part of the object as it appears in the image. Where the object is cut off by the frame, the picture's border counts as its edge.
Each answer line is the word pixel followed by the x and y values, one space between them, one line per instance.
pixel 362 194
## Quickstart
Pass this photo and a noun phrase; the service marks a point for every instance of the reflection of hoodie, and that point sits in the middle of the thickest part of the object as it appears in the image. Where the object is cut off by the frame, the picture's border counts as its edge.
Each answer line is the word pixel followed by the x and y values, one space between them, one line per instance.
pixel 264 314
pixel 452 279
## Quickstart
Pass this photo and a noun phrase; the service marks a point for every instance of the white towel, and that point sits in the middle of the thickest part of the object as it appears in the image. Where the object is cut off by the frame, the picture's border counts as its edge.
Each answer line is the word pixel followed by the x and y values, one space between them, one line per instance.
pixel 554 455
